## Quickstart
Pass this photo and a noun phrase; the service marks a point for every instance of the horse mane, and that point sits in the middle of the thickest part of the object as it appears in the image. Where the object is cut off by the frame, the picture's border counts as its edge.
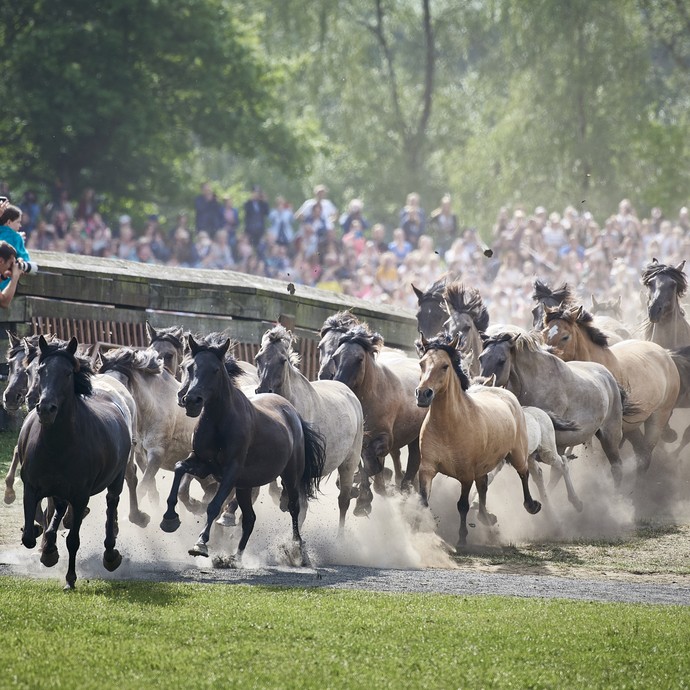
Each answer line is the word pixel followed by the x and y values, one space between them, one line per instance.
pixel 173 335
pixel 341 322
pixel 578 317
pixel 444 342
pixel 653 269
pixel 530 341
pixel 280 334
pixel 214 341
pixel 80 363
pixel 468 300
pixel 362 336
pixel 560 295
pixel 127 359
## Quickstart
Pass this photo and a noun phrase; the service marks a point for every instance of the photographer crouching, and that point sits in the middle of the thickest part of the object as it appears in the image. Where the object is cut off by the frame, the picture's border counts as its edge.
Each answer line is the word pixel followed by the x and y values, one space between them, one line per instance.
pixel 14 258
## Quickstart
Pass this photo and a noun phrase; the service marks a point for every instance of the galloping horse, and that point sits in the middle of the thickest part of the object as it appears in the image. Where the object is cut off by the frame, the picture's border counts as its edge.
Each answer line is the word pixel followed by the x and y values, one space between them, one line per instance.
pixel 330 406
pixel 666 325
pixel 643 369
pixel 243 444
pixel 386 392
pixel 468 431
pixel 469 318
pixel 73 445
pixel 585 393
pixel 431 316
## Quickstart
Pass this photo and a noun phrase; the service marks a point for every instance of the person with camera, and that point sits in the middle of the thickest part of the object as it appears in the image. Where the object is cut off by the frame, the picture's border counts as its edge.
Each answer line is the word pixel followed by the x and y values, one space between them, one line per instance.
pixel 9 272
pixel 10 225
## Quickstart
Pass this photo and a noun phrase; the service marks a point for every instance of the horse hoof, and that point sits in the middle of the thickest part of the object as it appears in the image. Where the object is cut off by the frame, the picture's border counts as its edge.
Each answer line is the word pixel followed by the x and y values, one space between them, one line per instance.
pixel 50 557
pixel 362 511
pixel 10 496
pixel 170 524
pixel 140 519
pixel 29 541
pixel 199 550
pixel 354 492
pixel 533 508
pixel 578 505
pixel 226 520
pixel 69 587
pixel 112 560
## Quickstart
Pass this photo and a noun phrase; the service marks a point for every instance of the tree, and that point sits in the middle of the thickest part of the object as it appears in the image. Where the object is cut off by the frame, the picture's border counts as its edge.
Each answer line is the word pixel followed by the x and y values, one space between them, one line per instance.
pixel 118 95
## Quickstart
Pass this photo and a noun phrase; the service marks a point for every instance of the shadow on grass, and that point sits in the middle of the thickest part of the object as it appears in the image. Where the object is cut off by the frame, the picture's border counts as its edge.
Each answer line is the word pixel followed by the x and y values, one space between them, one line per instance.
pixel 151 594
pixel 536 558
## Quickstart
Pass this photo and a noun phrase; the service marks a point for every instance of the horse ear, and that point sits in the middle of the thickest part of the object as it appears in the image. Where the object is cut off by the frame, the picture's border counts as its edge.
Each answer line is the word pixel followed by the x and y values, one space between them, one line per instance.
pixel 491 381
pixel 14 339
pixel 456 340
pixel 193 345
pixel 681 266
pixel 513 338
pixel 579 311
pixel 417 292
pixel 72 345
pixel 42 343
pixel 655 260
pixel 150 332
pixel 595 304
pixel 224 348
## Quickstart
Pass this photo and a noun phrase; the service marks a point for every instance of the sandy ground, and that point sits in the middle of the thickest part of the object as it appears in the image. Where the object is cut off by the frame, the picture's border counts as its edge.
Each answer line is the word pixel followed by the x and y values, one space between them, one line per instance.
pixel 402 548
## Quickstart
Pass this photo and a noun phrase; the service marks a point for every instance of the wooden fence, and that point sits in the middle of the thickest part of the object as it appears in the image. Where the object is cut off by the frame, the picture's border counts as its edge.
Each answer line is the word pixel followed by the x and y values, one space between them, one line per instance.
pixel 106 303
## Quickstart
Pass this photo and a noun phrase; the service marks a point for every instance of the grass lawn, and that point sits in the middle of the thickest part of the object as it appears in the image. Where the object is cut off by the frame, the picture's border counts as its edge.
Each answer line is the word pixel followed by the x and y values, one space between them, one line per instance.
pixel 140 635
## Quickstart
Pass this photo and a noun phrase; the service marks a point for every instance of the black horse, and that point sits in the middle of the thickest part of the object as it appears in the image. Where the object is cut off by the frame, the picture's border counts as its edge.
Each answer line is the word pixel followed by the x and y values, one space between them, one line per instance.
pixel 242 443
pixel 431 315
pixel 73 445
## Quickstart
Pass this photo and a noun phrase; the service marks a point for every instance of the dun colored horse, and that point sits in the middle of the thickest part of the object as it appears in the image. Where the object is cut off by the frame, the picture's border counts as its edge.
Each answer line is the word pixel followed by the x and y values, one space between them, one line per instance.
pixel 643 369
pixel 330 406
pixel 168 343
pixel 584 393
pixel 73 445
pixel 468 431
pixel 666 324
pixel 243 444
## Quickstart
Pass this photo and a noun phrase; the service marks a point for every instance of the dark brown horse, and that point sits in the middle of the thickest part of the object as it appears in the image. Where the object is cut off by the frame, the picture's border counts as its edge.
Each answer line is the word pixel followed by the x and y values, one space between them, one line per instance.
pixel 431 316
pixel 243 444
pixel 73 445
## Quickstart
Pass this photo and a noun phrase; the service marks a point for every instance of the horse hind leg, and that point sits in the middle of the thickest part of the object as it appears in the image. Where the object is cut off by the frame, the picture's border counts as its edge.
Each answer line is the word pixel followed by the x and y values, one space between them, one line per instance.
pixel 531 506
pixel 73 541
pixel 463 509
pixel 559 467
pixel 537 475
pixel 610 444
pixel 10 494
pixel 112 557
pixel 482 484
pixel 136 516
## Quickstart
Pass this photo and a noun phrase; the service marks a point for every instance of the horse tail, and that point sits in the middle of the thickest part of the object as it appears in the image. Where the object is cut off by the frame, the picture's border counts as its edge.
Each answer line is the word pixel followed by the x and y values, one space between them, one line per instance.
pixel 560 424
pixel 630 407
pixel 314 459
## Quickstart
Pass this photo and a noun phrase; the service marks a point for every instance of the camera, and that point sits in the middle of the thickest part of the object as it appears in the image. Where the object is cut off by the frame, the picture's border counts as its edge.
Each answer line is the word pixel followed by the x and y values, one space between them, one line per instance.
pixel 27 266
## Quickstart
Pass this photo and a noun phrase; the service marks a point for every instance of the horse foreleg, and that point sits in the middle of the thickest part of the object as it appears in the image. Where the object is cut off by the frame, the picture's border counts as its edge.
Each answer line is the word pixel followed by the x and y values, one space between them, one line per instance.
pixel 682 446
pixel 413 460
pixel 531 506
pixel 191 465
pixel 482 484
pixel 10 494
pixel 559 467
pixel 245 500
pixel 112 557
pixel 31 501
pixel 397 466
pixel 463 509
pixel 73 541
pixel 49 551
pixel 148 480
pixel 609 442
pixel 136 516
pixel 225 488
pixel 537 475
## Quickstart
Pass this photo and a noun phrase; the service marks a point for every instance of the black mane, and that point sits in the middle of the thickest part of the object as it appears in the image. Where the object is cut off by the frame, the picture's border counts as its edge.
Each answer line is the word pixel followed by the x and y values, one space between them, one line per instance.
pixel 444 342
pixel 213 341
pixel 582 318
pixel 653 269
pixel 543 293
pixel 468 300
pixel 362 336
pixel 341 322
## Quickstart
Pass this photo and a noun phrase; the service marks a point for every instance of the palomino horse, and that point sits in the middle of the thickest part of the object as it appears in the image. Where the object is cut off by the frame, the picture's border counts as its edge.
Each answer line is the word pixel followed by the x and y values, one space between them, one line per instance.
pixel 386 392
pixel 334 327
pixel 431 316
pixel 666 324
pixel 643 369
pixel 585 393
pixel 330 406
pixel 243 443
pixel 468 317
pixel 73 445
pixel 468 432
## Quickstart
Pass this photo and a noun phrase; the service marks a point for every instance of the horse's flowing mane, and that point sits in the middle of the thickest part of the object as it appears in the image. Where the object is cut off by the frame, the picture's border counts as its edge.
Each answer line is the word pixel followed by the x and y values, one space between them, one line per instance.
pixel 214 341
pixel 126 360
pixel 445 342
pixel 341 322
pixel 362 336
pixel 280 334
pixel 653 269
pixel 577 316
pixel 560 295
pixel 523 341
pixel 80 363
pixel 468 300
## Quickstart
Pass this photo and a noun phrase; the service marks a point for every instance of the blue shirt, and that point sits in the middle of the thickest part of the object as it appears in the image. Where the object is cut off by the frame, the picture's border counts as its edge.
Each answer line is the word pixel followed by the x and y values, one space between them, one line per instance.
pixel 15 239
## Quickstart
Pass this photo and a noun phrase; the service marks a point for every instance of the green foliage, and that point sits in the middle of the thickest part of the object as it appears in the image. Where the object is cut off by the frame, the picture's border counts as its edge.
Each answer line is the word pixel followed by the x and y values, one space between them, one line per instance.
pixel 133 635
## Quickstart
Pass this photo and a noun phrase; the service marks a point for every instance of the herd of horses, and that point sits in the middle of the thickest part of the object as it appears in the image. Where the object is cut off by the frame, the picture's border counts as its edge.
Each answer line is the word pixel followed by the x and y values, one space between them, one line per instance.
pixel 478 395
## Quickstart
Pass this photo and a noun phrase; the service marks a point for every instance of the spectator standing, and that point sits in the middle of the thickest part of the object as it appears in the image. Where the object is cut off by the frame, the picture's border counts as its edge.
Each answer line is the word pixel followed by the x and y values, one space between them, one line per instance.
pixel 9 273
pixel 209 213
pixel 413 219
pixel 32 210
pixel 10 225
pixel 280 223
pixel 355 211
pixel 330 212
pixel 256 212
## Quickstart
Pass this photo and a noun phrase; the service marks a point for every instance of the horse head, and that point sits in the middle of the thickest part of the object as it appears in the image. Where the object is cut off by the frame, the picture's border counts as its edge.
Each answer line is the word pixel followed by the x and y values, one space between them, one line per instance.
pixel 440 359
pixel 18 377
pixel 333 327
pixel 168 342
pixel 496 357
pixel 665 286
pixel 274 359
pixel 548 297
pixel 431 314
pixel 355 349
pixel 205 373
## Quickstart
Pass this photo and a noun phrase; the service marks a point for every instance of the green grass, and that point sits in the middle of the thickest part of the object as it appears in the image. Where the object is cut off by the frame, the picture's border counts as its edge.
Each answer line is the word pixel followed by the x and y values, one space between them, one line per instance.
pixel 140 635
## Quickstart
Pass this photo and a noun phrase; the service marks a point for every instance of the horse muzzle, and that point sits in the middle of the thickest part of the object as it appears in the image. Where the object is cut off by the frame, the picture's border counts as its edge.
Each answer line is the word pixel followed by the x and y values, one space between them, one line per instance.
pixel 192 405
pixel 46 412
pixel 424 396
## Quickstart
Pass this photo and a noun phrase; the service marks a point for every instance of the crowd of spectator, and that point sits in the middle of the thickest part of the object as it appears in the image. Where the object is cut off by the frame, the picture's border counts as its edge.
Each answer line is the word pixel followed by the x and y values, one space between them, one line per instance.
pixel 343 250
